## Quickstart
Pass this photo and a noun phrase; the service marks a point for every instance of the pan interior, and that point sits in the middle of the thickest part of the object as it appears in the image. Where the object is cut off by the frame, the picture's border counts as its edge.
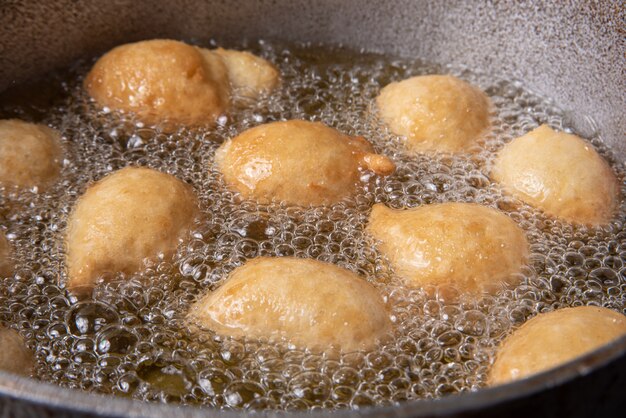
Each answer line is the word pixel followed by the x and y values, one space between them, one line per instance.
pixel 130 338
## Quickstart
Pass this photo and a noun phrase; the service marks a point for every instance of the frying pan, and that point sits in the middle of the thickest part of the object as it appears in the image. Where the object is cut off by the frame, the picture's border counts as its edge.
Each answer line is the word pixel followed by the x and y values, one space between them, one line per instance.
pixel 571 51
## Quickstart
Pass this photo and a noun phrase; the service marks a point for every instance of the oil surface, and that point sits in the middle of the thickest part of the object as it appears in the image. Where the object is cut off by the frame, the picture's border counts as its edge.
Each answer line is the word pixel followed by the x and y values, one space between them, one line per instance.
pixel 130 338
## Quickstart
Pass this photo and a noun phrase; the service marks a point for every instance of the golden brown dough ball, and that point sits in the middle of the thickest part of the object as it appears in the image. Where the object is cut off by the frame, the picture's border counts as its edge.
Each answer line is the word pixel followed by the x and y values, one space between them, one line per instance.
pixel 298 162
pixel 172 83
pixel 249 75
pixel 30 154
pixel 471 247
pixel 551 339
pixel 129 216
pixel 15 357
pixel 435 112
pixel 6 264
pixel 560 174
pixel 160 81
pixel 309 303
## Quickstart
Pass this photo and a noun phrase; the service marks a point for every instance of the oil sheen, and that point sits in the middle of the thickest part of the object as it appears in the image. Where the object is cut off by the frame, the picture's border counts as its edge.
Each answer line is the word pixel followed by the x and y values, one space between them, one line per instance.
pixel 130 338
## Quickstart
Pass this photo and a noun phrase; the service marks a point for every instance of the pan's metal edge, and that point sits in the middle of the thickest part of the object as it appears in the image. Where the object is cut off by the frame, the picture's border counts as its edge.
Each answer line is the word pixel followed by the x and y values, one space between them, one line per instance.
pixel 54 397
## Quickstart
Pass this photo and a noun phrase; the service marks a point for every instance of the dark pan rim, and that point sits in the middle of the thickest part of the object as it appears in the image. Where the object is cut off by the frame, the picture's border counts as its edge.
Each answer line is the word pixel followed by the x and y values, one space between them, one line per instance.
pixel 72 400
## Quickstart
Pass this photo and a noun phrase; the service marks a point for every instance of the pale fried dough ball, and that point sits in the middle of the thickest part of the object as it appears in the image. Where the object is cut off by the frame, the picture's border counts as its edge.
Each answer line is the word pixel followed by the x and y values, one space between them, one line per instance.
pixel 171 83
pixel 249 75
pixel 6 264
pixel 30 154
pixel 298 162
pixel 15 357
pixel 560 174
pixel 129 216
pixel 307 302
pixel 435 112
pixel 471 247
pixel 551 339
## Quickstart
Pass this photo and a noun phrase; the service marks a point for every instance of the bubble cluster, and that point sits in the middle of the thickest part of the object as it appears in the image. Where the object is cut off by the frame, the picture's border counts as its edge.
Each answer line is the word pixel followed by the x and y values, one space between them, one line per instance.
pixel 130 338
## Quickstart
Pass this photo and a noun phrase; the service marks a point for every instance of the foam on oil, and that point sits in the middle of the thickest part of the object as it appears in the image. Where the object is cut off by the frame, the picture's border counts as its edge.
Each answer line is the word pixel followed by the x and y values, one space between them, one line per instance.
pixel 130 339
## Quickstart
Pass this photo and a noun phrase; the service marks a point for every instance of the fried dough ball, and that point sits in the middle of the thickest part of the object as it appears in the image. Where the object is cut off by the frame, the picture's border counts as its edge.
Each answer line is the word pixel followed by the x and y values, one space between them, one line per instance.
pixel 435 112
pixel 15 357
pixel 310 303
pixel 249 75
pixel 6 265
pixel 560 174
pixel 551 339
pixel 471 247
pixel 160 80
pixel 172 83
pixel 129 216
pixel 30 154
pixel 298 162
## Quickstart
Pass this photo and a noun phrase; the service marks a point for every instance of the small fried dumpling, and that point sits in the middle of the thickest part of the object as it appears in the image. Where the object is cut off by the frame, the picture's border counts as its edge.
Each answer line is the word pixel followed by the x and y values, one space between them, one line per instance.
pixel 172 83
pixel 559 173
pixel 129 216
pixel 160 81
pixel 6 264
pixel 15 357
pixel 30 154
pixel 471 247
pixel 551 339
pixel 307 302
pixel 297 162
pixel 249 75
pixel 435 113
